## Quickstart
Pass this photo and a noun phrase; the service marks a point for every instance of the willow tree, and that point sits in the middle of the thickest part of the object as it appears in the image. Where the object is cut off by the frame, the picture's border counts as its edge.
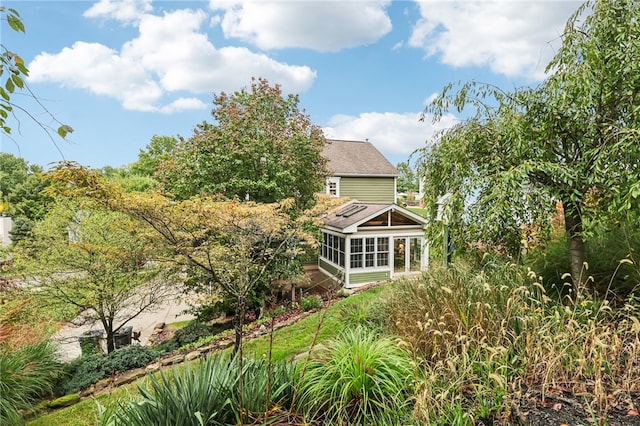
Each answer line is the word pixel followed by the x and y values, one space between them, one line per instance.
pixel 573 138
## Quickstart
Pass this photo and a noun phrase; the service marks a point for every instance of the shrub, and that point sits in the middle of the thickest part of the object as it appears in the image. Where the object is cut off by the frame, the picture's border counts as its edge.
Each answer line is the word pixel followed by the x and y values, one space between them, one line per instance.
pixel 366 315
pixel 192 334
pixel 203 392
pixel 26 374
pixel 311 302
pixel 604 253
pixel 358 378
pixel 130 357
pixel 88 369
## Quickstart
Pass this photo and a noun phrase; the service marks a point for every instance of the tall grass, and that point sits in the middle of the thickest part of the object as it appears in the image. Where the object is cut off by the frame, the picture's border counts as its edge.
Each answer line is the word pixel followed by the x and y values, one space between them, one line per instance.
pixel 26 374
pixel 483 334
pixel 358 378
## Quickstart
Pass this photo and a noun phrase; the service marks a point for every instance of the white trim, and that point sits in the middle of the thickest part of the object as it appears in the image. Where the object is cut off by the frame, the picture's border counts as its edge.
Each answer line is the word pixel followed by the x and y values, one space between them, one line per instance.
pixel 336 181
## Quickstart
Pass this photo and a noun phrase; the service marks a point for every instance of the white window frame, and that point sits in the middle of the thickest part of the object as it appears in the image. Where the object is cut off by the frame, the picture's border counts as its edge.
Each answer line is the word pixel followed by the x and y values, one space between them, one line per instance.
pixel 361 256
pixel 333 180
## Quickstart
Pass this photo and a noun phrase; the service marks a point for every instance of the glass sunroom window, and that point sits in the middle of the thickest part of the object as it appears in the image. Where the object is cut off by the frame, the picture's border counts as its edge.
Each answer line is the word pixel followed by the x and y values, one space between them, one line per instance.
pixel 333 248
pixel 369 252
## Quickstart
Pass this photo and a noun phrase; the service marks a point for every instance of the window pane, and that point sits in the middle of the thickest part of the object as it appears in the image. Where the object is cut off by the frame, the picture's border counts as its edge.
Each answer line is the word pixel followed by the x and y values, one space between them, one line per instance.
pixel 383 244
pixel 370 245
pixel 383 259
pixel 356 245
pixel 369 260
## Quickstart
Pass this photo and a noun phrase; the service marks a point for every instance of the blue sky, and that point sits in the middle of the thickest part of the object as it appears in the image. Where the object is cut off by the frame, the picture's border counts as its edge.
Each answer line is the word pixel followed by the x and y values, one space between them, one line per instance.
pixel 121 71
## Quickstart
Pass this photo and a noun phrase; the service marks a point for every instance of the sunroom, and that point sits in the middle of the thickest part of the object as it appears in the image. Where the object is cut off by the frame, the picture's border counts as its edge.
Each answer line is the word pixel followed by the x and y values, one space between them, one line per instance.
pixel 364 243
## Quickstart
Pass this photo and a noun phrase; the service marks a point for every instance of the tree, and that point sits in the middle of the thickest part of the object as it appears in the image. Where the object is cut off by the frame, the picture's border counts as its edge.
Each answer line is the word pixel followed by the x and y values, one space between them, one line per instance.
pixel 96 262
pixel 261 147
pixel 573 138
pixel 12 79
pixel 407 181
pixel 130 180
pixel 228 245
pixel 22 194
pixel 157 151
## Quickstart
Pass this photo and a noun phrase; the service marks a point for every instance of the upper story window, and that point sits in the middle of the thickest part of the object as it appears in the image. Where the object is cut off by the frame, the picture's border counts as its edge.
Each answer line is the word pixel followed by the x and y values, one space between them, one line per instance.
pixel 333 186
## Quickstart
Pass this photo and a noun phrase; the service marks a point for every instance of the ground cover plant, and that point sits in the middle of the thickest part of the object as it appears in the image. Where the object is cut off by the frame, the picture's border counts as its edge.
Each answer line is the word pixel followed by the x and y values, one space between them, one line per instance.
pixel 491 347
pixel 88 369
pixel 285 344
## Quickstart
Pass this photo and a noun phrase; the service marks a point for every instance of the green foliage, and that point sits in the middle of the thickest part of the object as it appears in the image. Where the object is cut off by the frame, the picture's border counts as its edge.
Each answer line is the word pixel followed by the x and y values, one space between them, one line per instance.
pixel 313 301
pixel 88 369
pixel 203 393
pixel 610 257
pixel 261 147
pixel 104 258
pixel 573 138
pixel 358 378
pixel 129 179
pixel 366 315
pixel 22 194
pixel 408 180
pixel 157 151
pixel 26 374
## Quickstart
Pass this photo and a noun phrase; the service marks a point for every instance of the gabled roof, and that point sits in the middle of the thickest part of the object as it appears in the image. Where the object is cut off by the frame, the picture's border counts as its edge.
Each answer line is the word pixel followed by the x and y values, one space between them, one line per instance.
pixel 356 158
pixel 353 214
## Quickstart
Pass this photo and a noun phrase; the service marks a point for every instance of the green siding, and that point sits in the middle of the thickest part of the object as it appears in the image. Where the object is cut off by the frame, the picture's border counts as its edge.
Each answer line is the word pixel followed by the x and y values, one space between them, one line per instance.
pixel 333 270
pixel 368 189
pixel 367 277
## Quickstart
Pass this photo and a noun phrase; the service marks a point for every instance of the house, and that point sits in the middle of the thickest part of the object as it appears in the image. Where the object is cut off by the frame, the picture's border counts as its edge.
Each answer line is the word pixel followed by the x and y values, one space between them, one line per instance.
pixel 370 238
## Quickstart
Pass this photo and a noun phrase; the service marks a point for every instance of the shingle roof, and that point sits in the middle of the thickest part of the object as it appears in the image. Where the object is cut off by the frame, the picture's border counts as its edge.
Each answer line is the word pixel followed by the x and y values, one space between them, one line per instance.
pixel 336 220
pixel 356 158
pixel 353 213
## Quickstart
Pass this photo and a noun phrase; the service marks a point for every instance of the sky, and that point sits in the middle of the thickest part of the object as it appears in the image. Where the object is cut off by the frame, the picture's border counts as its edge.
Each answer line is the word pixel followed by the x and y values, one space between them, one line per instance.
pixel 121 71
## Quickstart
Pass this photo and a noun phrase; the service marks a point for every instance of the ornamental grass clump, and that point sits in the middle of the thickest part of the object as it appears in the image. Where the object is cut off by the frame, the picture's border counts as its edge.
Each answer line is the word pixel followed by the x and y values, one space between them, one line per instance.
pixel 491 338
pixel 358 378
pixel 466 326
pixel 26 375
pixel 205 393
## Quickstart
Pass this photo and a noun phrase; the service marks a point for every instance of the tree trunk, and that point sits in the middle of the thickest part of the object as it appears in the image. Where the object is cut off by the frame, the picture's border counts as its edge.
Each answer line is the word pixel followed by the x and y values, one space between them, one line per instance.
pixel 577 252
pixel 107 324
pixel 110 341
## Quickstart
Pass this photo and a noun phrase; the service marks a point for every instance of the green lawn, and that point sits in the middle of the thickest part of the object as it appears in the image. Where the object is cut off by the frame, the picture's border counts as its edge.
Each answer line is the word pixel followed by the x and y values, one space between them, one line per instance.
pixel 287 342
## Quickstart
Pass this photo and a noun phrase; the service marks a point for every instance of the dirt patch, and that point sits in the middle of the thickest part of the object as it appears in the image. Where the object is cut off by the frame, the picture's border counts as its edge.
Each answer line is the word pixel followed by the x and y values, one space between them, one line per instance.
pixel 562 408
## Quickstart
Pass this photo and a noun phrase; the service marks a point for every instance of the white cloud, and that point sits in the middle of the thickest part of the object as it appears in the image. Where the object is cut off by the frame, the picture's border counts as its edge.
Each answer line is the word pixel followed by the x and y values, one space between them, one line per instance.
pixel 514 38
pixel 170 55
pixel 326 26
pixel 121 10
pixel 392 133
pixel 100 70
pixel 183 104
